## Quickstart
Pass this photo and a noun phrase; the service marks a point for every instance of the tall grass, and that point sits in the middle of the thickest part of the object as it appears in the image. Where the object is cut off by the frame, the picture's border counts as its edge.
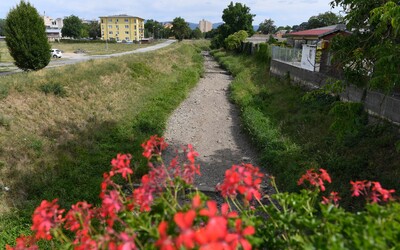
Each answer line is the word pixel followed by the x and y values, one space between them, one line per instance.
pixel 295 133
pixel 58 146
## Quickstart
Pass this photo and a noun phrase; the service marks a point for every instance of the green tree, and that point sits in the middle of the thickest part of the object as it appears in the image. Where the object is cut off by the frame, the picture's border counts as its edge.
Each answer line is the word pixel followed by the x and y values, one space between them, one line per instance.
pixel 180 28
pixel 72 27
pixel 2 24
pixel 267 26
pixel 94 30
pixel 85 30
pixel 370 56
pixel 153 29
pixel 323 19
pixel 26 37
pixel 237 17
pixel 196 34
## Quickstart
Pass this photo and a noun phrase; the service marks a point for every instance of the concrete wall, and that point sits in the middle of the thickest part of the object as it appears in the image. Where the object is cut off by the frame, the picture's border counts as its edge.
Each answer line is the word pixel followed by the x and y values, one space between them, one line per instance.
pixel 375 103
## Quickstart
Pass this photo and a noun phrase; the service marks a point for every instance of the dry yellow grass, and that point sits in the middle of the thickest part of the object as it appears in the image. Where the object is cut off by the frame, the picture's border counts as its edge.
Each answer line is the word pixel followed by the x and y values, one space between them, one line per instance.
pixel 97 91
pixel 4 55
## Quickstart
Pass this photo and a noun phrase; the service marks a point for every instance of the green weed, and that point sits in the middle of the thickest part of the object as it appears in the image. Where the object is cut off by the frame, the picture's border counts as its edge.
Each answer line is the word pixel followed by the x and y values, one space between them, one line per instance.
pixel 53 88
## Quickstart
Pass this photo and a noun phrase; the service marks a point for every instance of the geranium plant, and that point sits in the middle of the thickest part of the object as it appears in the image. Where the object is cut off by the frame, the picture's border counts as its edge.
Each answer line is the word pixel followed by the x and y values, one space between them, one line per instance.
pixel 165 212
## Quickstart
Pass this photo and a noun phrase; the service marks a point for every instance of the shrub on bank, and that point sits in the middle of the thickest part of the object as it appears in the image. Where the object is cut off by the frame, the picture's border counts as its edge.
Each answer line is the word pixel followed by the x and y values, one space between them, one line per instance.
pixel 166 212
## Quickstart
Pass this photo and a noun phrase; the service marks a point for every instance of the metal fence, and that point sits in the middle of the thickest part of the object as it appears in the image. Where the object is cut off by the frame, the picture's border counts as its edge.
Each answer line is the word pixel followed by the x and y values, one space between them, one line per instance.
pixel 286 54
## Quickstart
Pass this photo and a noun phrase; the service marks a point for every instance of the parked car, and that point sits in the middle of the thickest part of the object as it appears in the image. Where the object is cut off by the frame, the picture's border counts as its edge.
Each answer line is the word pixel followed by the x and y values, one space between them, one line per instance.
pixel 56 53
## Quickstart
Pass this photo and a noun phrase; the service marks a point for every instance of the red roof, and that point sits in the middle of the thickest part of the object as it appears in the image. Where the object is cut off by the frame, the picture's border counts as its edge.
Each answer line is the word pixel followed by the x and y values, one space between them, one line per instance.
pixel 315 32
pixel 318 32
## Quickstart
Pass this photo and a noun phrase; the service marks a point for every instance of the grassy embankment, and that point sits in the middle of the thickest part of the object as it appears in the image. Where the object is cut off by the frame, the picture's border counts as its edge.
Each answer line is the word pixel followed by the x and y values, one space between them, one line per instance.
pixel 293 134
pixel 59 128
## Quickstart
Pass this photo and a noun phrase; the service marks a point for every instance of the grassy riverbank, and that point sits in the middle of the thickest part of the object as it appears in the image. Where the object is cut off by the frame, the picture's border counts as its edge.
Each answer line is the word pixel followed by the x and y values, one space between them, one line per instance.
pixel 294 133
pixel 59 128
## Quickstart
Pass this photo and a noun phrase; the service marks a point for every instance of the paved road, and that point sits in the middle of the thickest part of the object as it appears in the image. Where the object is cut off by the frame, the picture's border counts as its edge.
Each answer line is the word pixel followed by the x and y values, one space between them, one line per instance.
pixel 83 58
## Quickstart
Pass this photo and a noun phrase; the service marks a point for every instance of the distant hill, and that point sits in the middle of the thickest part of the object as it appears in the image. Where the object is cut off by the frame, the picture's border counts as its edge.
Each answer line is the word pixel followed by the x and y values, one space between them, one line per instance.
pixel 193 25
pixel 216 25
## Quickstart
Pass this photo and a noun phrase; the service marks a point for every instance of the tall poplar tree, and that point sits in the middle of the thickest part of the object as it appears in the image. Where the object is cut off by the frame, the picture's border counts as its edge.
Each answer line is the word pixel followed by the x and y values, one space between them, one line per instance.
pixel 26 37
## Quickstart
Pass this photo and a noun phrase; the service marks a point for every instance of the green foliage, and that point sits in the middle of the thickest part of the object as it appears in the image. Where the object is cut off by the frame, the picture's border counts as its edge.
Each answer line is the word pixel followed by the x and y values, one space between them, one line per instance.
pixel 91 30
pixel 154 29
pixel 26 37
pixel 299 221
pixel 370 55
pixel 2 25
pixel 72 27
pixel 237 17
pixel 264 53
pixel 180 28
pixel 267 27
pixel 94 30
pixel 234 41
pixel 348 119
pixel 53 88
pixel 272 40
pixel 324 19
pixel 196 34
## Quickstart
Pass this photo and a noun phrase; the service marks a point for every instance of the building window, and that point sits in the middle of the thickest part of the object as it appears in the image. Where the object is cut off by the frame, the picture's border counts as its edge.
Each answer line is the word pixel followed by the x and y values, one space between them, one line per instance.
pixel 126 26
pixel 116 26
pixel 102 20
pixel 117 20
pixel 110 20
pixel 110 32
pixel 126 38
pixel 135 26
pixel 127 32
pixel 126 20
pixel 110 26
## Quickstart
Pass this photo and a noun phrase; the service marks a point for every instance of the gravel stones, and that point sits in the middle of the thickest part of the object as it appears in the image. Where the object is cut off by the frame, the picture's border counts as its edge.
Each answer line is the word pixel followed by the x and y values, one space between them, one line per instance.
pixel 208 121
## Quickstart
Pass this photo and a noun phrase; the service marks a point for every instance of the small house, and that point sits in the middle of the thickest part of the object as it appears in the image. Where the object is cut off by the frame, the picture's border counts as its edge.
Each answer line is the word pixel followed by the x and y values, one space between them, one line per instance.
pixel 314 44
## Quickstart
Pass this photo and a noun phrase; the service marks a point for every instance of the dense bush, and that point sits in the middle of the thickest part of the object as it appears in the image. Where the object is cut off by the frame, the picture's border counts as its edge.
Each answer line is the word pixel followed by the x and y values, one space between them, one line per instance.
pixel 264 52
pixel 233 42
pixel 26 37
pixel 160 213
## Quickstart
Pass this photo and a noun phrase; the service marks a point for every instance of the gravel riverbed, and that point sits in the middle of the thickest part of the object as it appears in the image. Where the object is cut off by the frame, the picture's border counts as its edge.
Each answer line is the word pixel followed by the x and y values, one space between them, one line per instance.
pixel 208 121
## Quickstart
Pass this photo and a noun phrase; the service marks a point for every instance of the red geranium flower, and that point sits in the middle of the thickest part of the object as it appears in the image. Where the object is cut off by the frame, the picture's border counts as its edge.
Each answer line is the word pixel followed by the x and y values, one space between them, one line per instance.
pixel 46 217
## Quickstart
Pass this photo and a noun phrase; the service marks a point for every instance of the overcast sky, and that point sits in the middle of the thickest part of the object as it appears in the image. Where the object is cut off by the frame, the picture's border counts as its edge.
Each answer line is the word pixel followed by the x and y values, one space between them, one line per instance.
pixel 283 12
